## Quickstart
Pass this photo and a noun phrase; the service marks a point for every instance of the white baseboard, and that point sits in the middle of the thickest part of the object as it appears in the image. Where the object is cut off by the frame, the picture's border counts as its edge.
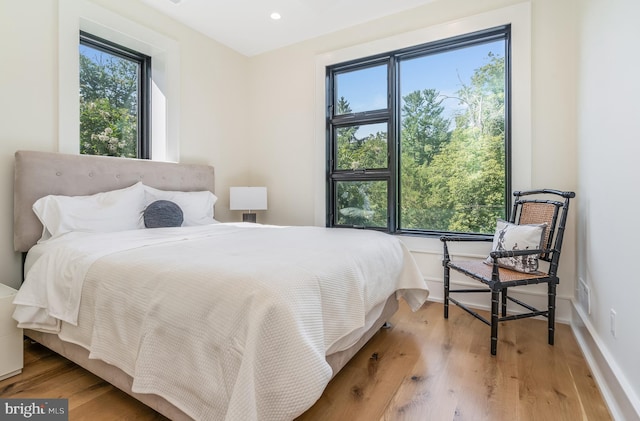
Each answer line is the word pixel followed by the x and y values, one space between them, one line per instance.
pixel 622 401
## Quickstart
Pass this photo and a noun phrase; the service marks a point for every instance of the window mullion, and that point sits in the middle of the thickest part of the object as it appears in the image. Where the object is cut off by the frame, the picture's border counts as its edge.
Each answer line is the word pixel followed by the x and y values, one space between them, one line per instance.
pixel 394 139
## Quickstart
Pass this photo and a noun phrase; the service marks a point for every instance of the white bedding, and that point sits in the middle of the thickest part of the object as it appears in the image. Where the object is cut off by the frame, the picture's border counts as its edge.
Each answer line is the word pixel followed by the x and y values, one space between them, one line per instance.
pixel 226 321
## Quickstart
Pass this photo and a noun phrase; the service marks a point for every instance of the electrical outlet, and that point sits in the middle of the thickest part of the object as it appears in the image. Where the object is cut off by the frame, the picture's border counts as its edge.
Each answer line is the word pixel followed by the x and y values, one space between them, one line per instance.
pixel 612 320
pixel 584 295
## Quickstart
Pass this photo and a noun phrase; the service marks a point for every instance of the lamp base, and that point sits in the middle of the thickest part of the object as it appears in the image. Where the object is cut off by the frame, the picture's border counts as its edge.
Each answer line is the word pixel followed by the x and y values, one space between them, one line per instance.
pixel 249 217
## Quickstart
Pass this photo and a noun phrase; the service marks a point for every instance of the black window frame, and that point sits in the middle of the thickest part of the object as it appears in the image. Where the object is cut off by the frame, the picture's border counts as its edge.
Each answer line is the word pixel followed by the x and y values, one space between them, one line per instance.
pixel 144 85
pixel 392 116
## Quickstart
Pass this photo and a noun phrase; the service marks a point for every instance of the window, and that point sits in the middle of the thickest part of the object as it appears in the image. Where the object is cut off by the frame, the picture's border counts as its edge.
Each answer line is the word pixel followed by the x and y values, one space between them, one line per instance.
pixel 418 139
pixel 114 99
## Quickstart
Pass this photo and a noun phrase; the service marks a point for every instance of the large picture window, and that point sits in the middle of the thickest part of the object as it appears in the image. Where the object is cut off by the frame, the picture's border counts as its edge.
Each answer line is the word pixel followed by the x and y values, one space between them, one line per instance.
pixel 114 99
pixel 419 139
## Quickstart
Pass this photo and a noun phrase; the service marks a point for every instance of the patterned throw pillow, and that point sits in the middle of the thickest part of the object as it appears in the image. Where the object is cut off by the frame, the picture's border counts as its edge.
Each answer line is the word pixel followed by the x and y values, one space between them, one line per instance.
pixel 162 213
pixel 509 236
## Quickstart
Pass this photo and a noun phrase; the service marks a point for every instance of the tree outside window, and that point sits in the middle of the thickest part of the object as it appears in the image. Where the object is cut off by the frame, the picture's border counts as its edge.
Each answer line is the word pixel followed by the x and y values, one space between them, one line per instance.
pixel 114 105
pixel 419 139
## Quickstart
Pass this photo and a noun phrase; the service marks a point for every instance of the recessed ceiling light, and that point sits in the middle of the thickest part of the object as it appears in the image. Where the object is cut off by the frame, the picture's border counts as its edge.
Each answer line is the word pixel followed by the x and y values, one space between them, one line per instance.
pixel 275 16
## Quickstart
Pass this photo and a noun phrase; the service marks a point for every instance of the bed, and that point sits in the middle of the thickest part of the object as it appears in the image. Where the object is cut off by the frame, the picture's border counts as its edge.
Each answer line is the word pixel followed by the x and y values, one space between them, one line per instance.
pixel 206 321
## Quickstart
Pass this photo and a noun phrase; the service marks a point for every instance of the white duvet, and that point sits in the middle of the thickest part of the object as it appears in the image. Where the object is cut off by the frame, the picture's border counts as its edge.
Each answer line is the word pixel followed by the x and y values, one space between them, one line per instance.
pixel 225 321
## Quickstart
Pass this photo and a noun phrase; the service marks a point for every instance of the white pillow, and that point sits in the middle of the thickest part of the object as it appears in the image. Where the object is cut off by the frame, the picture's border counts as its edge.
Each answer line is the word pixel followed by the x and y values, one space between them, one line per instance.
pixel 509 236
pixel 197 206
pixel 116 210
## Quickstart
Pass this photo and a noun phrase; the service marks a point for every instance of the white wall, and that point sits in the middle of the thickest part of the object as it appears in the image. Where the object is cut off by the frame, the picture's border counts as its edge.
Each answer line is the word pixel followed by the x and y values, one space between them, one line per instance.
pixel 609 145
pixel 287 156
pixel 212 88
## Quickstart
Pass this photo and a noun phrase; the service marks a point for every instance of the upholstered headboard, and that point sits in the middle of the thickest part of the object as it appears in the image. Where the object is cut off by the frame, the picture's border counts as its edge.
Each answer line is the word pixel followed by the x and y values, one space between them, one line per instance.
pixel 39 174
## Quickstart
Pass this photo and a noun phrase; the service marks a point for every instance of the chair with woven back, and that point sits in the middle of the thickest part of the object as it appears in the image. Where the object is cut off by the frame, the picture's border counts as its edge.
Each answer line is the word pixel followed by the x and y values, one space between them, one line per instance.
pixel 534 232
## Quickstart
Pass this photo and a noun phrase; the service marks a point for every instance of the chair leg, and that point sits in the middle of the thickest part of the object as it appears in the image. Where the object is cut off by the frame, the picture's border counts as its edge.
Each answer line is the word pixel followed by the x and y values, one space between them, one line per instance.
pixel 446 290
pixel 504 302
pixel 494 321
pixel 552 311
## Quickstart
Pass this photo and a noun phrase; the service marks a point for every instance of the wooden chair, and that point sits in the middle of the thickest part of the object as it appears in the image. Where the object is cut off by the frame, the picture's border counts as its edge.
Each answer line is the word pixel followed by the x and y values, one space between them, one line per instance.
pixel 545 206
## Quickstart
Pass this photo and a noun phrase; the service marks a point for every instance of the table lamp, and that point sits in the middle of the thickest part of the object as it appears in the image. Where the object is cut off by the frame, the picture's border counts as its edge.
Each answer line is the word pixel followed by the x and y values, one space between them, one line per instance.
pixel 248 199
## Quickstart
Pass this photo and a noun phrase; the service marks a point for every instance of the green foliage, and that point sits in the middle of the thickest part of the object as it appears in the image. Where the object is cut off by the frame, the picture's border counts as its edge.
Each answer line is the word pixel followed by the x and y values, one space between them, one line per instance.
pixel 105 130
pixel 108 106
pixel 424 128
pixel 368 152
pixel 460 186
pixel 484 98
pixel 467 182
pixel 361 203
pixel 452 173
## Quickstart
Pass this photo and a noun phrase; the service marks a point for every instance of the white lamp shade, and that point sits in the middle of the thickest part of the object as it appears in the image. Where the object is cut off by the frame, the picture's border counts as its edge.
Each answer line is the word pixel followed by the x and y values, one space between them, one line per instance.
pixel 248 198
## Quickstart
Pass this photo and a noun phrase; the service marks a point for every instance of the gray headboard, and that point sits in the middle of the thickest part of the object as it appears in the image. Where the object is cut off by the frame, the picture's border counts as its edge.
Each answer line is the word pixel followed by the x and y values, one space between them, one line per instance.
pixel 39 174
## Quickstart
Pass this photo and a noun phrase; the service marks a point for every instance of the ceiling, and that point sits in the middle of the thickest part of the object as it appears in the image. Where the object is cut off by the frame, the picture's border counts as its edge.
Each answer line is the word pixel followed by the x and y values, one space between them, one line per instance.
pixel 246 26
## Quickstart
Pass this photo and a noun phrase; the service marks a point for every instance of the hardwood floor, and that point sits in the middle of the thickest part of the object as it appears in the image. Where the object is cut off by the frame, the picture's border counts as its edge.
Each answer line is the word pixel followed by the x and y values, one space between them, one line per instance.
pixel 423 368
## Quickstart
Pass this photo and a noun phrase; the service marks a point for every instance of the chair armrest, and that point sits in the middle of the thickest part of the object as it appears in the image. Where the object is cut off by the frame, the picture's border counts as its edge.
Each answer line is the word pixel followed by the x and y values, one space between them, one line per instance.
pixel 512 253
pixel 458 238
pixel 446 238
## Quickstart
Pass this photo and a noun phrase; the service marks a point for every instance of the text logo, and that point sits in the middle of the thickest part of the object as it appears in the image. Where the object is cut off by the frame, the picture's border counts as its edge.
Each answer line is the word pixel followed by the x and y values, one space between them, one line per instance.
pixel 34 409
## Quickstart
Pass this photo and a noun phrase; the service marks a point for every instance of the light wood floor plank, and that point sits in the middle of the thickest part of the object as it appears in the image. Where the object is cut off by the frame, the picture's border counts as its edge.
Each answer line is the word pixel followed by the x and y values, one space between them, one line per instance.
pixel 423 368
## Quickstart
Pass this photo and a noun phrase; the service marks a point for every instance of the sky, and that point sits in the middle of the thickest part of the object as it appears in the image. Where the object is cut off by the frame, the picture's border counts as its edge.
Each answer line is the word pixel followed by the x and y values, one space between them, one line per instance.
pixel 98 56
pixel 92 53
pixel 442 71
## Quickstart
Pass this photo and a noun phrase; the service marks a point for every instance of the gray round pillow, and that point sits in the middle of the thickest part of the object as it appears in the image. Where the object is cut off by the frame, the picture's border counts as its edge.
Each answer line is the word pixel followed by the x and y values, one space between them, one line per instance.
pixel 163 213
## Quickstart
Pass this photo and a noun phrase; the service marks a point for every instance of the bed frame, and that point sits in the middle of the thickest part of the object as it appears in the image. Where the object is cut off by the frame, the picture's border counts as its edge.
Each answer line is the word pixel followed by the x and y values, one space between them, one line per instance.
pixel 38 174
